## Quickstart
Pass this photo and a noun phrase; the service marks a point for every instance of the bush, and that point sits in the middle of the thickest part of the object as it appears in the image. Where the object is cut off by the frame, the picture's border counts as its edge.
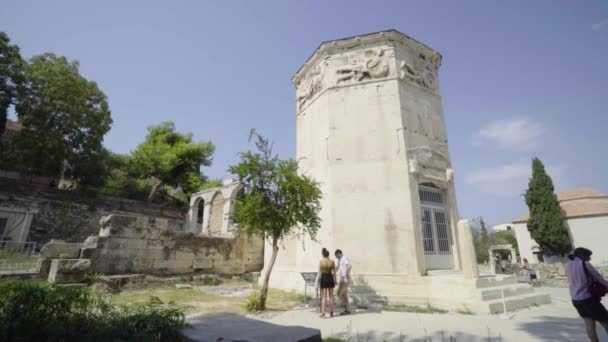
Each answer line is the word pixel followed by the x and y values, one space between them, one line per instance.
pixel 212 281
pixel 253 302
pixel 31 311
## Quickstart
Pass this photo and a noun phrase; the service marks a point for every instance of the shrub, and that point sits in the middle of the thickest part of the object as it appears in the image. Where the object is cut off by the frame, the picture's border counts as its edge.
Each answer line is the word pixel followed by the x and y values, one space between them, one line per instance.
pixel 212 281
pixel 253 302
pixel 93 277
pixel 31 311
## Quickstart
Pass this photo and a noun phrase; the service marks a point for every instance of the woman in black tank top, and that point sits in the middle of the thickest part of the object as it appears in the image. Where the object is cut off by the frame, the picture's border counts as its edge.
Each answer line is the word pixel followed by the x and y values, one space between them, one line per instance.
pixel 327 270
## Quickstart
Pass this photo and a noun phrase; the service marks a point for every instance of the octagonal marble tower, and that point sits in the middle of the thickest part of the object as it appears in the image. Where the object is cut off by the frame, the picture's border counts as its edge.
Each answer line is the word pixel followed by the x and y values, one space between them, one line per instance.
pixel 371 131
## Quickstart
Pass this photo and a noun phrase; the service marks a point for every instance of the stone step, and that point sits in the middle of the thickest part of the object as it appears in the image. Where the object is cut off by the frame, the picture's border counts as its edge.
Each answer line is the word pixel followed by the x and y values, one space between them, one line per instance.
pixel 492 293
pixel 493 281
pixel 518 302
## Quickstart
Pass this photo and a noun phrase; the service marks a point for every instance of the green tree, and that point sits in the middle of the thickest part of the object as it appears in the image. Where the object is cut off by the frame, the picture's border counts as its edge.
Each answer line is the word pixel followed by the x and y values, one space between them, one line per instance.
pixel 277 201
pixel 171 158
pixel 120 182
pixel 64 118
pixel 546 224
pixel 12 76
pixel 504 237
pixel 484 242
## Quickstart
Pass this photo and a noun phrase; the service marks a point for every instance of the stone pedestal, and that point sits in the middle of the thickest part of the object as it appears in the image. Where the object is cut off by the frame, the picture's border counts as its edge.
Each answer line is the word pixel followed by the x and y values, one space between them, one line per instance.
pixel 467 248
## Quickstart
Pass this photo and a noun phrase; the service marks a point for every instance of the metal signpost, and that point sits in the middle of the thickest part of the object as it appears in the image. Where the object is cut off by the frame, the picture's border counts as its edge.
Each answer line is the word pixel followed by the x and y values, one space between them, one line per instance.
pixel 310 279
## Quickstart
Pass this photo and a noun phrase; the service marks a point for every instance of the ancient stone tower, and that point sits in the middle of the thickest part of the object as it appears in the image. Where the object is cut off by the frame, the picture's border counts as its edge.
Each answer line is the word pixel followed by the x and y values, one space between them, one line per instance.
pixel 371 131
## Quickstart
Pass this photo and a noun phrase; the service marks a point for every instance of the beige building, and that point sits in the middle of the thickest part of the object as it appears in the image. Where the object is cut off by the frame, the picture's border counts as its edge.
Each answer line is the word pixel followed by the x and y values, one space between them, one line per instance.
pixel 503 227
pixel 371 131
pixel 585 212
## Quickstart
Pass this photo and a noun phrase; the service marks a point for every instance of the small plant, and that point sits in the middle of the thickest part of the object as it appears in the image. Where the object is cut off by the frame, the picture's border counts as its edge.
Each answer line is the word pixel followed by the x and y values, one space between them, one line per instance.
pixel 465 311
pixel 415 309
pixel 93 277
pixel 253 302
pixel 153 300
pixel 212 281
pixel 63 256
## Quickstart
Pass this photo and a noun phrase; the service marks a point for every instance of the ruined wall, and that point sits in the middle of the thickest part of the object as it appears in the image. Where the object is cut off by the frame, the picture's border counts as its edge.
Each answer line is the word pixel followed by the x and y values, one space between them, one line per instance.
pixel 73 216
pixel 130 244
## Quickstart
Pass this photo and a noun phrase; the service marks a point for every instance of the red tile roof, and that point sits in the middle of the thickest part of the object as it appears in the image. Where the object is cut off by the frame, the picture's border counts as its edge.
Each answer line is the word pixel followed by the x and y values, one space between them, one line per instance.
pixel 580 202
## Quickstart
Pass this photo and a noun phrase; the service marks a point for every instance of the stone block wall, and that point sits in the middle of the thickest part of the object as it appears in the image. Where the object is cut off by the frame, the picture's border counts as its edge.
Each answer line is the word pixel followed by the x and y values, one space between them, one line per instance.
pixel 72 216
pixel 132 244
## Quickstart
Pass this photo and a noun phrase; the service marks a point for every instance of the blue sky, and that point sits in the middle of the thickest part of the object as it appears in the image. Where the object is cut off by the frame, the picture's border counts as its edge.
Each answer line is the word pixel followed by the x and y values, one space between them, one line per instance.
pixel 519 78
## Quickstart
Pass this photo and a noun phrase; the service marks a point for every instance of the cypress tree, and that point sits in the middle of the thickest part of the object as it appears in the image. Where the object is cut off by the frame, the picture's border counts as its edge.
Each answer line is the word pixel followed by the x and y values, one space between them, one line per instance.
pixel 546 224
pixel 484 241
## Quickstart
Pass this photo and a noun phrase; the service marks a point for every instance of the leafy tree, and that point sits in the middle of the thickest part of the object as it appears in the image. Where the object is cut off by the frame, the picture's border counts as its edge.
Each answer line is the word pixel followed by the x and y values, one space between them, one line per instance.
pixel 484 242
pixel 119 182
pixel 545 224
pixel 171 158
pixel 504 237
pixel 64 117
pixel 12 76
pixel 277 201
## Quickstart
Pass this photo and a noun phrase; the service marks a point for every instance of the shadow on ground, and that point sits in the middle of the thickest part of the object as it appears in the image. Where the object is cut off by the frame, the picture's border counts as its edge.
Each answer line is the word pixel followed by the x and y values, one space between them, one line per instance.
pixel 440 336
pixel 550 328
pixel 232 327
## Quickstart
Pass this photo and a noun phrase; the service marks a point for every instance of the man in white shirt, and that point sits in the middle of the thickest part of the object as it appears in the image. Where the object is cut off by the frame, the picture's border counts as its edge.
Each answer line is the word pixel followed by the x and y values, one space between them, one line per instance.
pixel 344 268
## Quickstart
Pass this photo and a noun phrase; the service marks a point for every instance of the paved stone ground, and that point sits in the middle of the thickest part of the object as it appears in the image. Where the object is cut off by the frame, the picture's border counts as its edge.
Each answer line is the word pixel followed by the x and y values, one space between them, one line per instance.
pixel 554 322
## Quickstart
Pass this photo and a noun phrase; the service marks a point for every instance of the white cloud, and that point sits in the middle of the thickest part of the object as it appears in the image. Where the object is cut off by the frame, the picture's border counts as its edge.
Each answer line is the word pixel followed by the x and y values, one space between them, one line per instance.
pixel 510 179
pixel 518 133
pixel 598 26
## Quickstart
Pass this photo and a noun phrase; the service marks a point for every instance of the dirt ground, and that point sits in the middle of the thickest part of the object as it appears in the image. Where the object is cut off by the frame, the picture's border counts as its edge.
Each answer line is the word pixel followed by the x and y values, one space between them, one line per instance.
pixel 196 297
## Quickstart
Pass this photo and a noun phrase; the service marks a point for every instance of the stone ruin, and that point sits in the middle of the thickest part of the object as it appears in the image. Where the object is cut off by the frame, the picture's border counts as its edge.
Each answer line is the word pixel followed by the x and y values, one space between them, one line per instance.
pixel 206 242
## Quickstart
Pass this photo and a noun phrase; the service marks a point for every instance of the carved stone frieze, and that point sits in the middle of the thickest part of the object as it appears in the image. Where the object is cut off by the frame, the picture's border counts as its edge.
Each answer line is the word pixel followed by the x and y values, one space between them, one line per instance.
pixel 312 85
pixel 371 65
pixel 423 72
pixel 429 163
pixel 449 174
pixel 429 157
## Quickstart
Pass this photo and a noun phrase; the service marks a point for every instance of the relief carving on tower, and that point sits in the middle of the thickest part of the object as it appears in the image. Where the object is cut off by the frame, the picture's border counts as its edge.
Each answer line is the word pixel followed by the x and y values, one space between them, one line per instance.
pixel 423 71
pixel 372 64
pixel 311 86
pixel 429 163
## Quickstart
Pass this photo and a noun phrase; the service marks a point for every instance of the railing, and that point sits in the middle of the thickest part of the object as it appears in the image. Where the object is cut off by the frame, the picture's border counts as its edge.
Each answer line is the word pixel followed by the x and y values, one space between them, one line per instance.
pixel 20 257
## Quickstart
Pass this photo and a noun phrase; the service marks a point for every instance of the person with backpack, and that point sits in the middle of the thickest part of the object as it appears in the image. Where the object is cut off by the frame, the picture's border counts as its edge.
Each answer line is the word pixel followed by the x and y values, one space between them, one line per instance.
pixel 587 287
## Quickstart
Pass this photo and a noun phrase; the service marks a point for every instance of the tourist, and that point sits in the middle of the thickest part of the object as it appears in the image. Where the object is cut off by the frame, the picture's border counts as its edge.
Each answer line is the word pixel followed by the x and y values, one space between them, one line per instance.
pixel 497 265
pixel 344 268
pixel 584 280
pixel 528 272
pixel 327 271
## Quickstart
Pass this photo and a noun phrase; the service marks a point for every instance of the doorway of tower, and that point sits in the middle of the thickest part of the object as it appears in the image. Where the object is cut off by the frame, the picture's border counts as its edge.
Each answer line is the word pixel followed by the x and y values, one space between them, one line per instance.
pixel 436 235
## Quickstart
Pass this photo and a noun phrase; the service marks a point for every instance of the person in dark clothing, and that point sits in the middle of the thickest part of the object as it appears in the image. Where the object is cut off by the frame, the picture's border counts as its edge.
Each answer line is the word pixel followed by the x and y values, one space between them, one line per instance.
pixel 327 271
pixel 581 274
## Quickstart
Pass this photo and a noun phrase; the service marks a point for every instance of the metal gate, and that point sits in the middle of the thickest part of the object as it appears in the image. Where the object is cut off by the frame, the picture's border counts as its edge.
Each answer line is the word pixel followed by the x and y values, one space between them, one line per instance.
pixel 436 236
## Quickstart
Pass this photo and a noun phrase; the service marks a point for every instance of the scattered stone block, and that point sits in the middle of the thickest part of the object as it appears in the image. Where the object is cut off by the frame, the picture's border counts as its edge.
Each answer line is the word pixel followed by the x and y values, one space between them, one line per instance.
pixel 65 271
pixel 183 286
pixel 59 248
pixel 117 282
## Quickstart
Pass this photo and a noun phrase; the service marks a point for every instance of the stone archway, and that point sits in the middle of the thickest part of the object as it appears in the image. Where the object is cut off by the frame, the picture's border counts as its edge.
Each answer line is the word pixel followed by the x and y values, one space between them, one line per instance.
pixel 494 248
pixel 217 206
pixel 216 221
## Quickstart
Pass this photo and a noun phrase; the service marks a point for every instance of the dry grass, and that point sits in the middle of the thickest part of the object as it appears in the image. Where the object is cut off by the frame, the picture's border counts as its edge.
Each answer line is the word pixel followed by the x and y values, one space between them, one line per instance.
pixel 198 300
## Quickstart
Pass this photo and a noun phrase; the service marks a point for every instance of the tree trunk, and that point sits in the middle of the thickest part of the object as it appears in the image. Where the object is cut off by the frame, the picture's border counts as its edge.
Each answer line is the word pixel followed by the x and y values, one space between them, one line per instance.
pixel 264 290
pixel 154 189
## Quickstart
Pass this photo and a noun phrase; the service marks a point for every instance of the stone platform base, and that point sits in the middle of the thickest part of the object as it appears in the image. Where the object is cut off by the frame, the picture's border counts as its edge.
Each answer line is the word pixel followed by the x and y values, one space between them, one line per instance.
pixel 447 290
